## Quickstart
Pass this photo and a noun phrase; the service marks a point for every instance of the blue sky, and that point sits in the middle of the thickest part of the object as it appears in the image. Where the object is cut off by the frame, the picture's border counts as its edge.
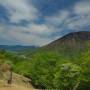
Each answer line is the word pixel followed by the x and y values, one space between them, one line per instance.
pixel 39 22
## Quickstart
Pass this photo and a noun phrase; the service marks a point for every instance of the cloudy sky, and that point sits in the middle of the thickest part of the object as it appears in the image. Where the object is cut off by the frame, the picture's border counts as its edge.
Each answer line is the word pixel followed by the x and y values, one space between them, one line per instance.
pixel 38 22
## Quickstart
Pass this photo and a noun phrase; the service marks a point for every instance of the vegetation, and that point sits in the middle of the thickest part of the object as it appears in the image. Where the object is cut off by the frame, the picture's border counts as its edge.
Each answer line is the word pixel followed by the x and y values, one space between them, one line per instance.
pixel 52 69
pixel 63 68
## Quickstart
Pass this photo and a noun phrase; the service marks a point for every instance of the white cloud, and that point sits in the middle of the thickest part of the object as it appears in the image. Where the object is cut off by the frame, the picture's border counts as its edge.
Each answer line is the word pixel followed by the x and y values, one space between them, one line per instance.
pixel 58 18
pixel 39 29
pixel 30 38
pixel 20 10
pixel 82 8
pixel 82 18
pixel 63 20
pixel 79 23
pixel 32 35
pixel 41 34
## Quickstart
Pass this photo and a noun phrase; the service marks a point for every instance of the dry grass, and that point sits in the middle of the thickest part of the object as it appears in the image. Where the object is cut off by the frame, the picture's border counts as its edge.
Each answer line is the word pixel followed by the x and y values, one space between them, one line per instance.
pixel 15 87
pixel 19 83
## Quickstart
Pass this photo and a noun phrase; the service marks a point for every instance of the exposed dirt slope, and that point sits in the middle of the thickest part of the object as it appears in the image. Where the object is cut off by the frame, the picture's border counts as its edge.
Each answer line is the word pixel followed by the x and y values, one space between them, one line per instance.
pixel 19 83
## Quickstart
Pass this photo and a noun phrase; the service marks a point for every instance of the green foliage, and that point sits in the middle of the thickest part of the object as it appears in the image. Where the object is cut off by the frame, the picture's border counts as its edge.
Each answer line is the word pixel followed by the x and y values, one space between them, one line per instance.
pixel 67 76
pixel 64 70
pixel 60 71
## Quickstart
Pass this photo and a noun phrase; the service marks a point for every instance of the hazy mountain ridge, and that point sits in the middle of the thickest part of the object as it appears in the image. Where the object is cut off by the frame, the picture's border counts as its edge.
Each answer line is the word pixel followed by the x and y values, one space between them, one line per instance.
pixel 16 47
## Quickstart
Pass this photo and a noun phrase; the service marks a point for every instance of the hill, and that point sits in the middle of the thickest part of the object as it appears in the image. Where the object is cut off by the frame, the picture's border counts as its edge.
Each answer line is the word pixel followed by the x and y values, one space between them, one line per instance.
pixel 71 40
pixel 63 64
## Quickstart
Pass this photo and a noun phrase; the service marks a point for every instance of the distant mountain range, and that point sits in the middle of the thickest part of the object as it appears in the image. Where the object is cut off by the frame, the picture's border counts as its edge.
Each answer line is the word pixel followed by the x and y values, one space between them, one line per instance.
pixel 16 47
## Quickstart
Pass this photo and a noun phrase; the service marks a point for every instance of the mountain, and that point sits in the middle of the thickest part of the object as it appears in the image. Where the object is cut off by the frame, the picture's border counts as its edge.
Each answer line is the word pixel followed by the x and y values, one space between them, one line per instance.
pixel 75 40
pixel 64 63
pixel 16 47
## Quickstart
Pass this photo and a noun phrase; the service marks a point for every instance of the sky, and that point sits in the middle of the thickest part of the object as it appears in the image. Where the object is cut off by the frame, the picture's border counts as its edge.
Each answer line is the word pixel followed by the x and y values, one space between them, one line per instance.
pixel 39 22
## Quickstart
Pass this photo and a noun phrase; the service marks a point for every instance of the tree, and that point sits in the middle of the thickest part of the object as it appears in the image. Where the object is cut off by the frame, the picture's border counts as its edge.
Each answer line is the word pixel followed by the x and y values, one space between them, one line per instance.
pixel 67 76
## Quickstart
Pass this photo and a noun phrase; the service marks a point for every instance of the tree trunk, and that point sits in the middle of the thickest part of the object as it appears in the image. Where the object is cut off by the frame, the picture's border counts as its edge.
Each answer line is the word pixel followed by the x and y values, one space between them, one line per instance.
pixel 10 77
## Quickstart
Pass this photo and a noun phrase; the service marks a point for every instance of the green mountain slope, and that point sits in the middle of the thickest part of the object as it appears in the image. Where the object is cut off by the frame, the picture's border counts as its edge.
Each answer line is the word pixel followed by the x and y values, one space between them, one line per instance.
pixel 63 63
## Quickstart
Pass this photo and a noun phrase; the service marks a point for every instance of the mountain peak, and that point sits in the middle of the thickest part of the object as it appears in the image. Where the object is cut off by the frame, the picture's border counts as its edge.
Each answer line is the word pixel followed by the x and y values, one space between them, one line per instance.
pixel 71 40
